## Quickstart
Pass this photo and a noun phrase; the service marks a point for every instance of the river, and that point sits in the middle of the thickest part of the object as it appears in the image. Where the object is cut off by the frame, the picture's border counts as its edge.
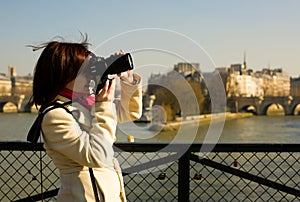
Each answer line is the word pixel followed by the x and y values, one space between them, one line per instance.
pixel 255 129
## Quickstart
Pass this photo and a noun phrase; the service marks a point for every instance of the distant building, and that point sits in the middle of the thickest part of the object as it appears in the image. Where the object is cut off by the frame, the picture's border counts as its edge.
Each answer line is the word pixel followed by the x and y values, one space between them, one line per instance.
pixel 276 82
pixel 246 83
pixel 187 68
pixel 12 71
pixel 5 85
pixel 238 80
pixel 295 86
pixel 224 73
pixel 242 82
pixel 12 84
pixel 190 71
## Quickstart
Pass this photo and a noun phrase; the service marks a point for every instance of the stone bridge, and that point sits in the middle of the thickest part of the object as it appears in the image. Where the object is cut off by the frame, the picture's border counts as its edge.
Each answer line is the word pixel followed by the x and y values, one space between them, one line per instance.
pixel 20 101
pixel 261 104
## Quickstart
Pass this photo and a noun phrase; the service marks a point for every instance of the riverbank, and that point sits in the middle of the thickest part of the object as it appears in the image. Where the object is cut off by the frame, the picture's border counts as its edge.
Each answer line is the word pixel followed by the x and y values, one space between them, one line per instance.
pixel 198 120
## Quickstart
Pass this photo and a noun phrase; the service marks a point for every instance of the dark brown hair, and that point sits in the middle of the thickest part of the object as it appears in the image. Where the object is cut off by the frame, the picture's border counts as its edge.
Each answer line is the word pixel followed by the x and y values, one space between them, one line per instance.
pixel 57 65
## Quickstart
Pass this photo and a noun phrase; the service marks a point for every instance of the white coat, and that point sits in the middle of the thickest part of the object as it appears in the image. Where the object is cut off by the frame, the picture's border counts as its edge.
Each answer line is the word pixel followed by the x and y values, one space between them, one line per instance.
pixel 85 139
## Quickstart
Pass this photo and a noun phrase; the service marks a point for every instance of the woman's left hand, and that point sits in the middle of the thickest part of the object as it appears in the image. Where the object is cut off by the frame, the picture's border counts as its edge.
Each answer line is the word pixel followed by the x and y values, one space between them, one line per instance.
pixel 126 76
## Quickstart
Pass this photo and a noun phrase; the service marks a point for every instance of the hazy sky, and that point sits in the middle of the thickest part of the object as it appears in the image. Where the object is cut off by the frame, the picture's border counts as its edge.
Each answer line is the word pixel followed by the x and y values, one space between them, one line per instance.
pixel 267 30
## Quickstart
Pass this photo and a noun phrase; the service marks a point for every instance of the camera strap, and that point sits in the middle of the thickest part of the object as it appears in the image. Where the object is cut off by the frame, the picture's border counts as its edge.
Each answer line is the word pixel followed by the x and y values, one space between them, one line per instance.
pixel 94 185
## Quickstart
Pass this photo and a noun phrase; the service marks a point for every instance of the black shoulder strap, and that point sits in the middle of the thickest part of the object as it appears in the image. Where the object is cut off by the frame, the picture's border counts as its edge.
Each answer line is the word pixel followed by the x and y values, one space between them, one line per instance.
pixel 35 130
pixel 94 185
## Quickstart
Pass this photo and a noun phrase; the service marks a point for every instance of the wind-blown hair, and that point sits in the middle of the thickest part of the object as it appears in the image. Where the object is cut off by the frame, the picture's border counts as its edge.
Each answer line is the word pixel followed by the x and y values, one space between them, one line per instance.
pixel 57 65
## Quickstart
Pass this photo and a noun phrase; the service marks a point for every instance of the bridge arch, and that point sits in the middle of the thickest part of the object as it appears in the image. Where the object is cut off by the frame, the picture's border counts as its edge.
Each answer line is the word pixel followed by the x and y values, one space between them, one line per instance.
pixel 274 109
pixel 295 109
pixel 8 107
pixel 248 108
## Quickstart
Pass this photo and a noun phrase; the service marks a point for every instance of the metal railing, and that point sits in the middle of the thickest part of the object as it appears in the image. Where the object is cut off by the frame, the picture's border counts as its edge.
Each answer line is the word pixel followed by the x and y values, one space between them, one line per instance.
pixel 167 172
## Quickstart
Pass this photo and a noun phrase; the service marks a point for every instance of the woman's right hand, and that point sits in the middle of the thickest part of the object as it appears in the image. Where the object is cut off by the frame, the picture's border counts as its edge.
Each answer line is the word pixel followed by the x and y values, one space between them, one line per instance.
pixel 107 93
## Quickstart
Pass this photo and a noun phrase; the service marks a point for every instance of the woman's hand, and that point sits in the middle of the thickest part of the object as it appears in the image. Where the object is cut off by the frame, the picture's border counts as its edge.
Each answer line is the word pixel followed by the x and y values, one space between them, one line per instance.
pixel 107 93
pixel 126 76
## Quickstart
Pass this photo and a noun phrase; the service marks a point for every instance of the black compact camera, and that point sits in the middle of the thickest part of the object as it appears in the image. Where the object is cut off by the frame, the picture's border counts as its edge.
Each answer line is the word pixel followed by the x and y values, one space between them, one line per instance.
pixel 100 68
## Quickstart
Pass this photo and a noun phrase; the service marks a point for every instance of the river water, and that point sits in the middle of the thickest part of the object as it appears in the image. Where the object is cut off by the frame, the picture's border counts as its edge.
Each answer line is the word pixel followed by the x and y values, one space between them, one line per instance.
pixel 255 129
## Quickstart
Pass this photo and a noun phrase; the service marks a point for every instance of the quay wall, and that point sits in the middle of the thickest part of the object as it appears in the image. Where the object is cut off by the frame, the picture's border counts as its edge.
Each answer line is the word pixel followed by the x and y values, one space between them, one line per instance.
pixel 202 119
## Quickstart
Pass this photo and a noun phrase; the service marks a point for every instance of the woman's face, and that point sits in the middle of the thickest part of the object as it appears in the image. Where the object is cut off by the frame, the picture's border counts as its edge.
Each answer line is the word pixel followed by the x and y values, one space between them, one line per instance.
pixel 80 84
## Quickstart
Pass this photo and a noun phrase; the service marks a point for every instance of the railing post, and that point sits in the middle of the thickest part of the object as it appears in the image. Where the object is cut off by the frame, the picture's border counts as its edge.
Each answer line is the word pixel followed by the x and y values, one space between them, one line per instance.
pixel 184 177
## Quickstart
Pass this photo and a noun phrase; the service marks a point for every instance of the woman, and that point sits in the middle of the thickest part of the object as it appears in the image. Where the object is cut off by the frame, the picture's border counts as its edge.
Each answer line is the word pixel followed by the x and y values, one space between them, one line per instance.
pixel 84 138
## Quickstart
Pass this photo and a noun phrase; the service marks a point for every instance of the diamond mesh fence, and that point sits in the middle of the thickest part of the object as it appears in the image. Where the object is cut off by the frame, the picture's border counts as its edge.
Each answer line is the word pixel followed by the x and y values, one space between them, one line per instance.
pixel 21 174
pixel 230 172
pixel 275 171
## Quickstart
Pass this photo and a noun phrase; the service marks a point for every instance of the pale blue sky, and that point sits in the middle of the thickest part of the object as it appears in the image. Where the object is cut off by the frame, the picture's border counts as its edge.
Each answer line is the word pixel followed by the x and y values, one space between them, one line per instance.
pixel 268 30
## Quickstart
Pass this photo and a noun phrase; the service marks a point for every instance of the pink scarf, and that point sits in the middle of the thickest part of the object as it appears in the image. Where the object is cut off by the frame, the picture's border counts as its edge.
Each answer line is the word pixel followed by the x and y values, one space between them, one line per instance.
pixel 87 102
